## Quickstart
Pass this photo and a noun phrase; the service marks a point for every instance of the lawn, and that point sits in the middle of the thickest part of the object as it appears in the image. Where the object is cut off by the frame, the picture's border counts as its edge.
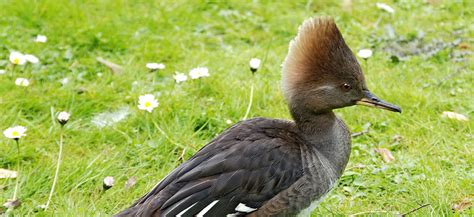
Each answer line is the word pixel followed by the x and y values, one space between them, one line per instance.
pixel 421 62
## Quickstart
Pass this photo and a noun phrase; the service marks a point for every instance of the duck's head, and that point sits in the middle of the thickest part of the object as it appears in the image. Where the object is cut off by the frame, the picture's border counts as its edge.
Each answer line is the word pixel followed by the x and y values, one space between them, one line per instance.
pixel 320 72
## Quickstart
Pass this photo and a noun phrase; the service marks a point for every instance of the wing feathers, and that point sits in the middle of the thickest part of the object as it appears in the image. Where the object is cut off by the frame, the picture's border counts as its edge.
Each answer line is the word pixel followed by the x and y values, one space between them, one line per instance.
pixel 244 208
pixel 186 203
pixel 250 163
pixel 222 208
pixel 206 209
pixel 187 190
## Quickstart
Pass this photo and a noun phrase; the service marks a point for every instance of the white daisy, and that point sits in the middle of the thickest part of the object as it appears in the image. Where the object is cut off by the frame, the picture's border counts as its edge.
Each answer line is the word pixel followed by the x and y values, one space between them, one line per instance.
pixel 64 81
pixel 31 58
pixel 22 82
pixel 364 53
pixel 385 7
pixel 17 58
pixel 2 71
pixel 15 132
pixel 63 117
pixel 41 39
pixel 180 77
pixel 109 182
pixel 147 102
pixel 199 72
pixel 254 64
pixel 155 66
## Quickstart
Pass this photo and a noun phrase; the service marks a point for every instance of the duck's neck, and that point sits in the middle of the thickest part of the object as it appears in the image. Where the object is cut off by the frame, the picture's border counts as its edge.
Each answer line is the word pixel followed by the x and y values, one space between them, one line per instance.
pixel 314 124
pixel 326 134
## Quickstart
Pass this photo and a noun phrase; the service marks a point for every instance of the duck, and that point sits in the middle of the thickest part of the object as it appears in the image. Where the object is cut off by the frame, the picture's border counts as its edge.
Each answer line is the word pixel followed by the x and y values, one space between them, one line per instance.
pixel 275 167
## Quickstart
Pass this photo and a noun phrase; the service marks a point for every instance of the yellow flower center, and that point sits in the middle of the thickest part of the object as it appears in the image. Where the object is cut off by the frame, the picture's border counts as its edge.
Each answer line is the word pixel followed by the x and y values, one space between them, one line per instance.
pixel 147 104
pixel 16 60
pixel 15 133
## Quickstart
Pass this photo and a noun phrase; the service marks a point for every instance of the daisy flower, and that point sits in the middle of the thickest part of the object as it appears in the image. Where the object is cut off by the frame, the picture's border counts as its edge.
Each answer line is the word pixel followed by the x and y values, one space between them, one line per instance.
pixel 15 132
pixel 17 58
pixel 2 71
pixel 155 66
pixel 254 64
pixel 147 102
pixel 199 72
pixel 180 77
pixel 64 81
pixel 63 117
pixel 31 58
pixel 364 53
pixel 41 39
pixel 109 182
pixel 385 7
pixel 22 82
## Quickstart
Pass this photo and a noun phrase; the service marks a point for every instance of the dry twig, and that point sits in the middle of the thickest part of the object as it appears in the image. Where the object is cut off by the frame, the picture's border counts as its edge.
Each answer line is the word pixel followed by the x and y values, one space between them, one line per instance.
pixel 416 209
pixel 359 133
pixel 115 68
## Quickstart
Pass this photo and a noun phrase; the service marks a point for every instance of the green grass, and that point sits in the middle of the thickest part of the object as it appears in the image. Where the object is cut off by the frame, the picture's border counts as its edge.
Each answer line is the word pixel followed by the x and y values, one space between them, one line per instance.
pixel 434 159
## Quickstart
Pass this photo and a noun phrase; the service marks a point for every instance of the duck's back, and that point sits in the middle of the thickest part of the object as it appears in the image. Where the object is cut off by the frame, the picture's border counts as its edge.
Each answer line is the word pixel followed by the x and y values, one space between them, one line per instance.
pixel 238 172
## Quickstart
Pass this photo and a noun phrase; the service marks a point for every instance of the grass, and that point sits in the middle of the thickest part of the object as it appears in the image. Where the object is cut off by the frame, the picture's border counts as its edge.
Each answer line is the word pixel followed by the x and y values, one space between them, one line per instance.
pixel 434 158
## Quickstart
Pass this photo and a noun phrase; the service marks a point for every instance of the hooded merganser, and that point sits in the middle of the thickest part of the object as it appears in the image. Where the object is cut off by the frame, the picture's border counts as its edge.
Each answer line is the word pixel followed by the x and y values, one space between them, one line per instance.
pixel 272 167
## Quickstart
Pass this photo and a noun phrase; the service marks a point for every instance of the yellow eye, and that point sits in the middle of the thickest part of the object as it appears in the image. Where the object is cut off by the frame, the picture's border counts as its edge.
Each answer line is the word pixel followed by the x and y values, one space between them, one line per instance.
pixel 346 87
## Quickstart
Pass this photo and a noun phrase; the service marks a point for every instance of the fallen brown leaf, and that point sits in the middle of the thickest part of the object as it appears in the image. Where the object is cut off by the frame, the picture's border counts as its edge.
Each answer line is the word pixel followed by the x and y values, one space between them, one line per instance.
pixel 464 46
pixel 463 204
pixel 385 154
pixel 130 182
pixel 7 174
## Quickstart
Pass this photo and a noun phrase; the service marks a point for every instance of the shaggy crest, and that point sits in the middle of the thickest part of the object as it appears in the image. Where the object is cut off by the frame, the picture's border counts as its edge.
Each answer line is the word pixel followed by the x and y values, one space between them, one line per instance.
pixel 318 53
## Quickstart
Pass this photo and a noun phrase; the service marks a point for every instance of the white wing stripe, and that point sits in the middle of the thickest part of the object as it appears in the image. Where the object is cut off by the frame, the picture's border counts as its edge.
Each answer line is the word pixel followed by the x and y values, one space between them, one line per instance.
pixel 244 208
pixel 207 208
pixel 184 211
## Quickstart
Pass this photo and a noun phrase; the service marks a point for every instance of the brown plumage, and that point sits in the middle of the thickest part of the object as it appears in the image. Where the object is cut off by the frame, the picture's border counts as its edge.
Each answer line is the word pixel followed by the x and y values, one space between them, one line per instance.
pixel 271 167
pixel 317 55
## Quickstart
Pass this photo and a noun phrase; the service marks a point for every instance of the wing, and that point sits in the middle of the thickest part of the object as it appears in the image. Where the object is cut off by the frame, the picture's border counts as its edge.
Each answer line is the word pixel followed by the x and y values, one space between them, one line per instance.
pixel 236 173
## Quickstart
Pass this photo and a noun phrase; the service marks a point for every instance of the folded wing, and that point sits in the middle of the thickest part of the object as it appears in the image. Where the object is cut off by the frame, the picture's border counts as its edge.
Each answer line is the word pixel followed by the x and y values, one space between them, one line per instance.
pixel 236 173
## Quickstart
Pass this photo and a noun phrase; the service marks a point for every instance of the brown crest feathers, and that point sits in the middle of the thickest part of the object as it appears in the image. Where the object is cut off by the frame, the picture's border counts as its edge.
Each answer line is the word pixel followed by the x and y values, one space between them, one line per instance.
pixel 315 52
